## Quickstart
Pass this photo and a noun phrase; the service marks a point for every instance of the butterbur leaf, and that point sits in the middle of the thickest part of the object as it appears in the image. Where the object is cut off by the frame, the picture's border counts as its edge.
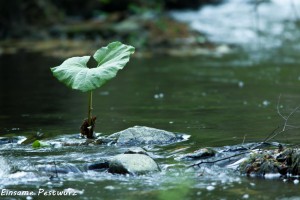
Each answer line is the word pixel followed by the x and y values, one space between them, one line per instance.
pixel 75 73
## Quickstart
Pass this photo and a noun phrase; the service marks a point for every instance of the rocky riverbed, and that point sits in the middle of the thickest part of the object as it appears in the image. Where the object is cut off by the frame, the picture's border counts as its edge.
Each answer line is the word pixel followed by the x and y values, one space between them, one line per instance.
pixel 131 156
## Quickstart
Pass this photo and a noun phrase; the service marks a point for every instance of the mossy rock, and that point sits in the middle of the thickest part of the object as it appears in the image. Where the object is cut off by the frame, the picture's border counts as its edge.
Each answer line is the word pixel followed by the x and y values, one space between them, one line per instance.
pixel 286 162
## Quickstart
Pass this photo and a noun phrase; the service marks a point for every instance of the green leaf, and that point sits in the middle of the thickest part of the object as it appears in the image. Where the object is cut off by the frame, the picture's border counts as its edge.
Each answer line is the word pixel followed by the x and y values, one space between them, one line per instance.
pixel 75 73
pixel 38 144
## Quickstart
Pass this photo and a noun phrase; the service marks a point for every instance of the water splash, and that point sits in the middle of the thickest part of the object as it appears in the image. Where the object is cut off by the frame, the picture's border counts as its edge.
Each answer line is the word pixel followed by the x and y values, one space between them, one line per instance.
pixel 234 21
pixel 4 167
pixel 255 26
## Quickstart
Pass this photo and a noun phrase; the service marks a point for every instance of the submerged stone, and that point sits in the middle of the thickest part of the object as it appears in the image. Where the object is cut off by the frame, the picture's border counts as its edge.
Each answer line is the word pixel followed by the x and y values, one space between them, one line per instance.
pixel 98 166
pixel 135 164
pixel 64 169
pixel 203 153
pixel 143 135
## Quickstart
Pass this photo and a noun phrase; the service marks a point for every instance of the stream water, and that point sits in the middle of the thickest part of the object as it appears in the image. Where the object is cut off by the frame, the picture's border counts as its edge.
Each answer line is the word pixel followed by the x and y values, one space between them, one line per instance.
pixel 219 101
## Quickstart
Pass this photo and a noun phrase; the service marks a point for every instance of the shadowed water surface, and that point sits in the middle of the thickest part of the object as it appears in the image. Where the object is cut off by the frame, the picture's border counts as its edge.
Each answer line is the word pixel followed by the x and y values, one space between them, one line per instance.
pixel 216 104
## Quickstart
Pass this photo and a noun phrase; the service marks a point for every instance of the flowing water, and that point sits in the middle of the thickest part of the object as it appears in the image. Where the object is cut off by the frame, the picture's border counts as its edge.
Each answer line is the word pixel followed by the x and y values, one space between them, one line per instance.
pixel 219 101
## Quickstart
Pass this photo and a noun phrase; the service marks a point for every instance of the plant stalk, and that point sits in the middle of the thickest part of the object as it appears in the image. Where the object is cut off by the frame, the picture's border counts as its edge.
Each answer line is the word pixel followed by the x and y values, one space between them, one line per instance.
pixel 90 108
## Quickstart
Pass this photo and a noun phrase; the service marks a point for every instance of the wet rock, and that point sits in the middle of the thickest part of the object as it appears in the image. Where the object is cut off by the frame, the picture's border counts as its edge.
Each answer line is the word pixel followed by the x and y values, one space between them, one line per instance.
pixel 135 150
pixel 295 164
pixel 200 154
pixel 291 159
pixel 15 139
pixel 103 165
pixel 259 164
pixel 143 135
pixel 285 162
pixel 236 149
pixel 103 140
pixel 135 164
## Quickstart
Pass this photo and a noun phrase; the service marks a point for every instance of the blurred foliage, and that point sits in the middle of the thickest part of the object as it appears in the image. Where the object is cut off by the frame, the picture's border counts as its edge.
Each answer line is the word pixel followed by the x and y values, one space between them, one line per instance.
pixel 77 27
pixel 18 17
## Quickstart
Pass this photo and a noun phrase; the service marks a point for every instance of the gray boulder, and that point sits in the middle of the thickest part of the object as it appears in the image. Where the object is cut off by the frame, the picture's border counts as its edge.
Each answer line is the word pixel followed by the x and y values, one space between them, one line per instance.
pixel 135 164
pixel 143 135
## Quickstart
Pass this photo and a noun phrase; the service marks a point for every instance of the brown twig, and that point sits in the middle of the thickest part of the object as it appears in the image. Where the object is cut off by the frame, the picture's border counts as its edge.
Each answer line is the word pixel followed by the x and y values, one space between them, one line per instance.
pixel 285 124
pixel 214 161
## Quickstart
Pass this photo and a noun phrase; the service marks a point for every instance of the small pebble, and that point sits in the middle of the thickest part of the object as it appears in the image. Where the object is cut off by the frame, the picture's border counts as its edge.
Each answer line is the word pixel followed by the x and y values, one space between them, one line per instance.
pixel 246 196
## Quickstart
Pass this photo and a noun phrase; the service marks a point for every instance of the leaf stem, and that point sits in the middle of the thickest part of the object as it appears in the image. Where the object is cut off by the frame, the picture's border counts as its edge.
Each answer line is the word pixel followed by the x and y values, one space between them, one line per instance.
pixel 90 108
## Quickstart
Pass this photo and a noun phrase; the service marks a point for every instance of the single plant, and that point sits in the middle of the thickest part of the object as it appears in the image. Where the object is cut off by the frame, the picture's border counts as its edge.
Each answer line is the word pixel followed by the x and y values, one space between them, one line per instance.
pixel 76 74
